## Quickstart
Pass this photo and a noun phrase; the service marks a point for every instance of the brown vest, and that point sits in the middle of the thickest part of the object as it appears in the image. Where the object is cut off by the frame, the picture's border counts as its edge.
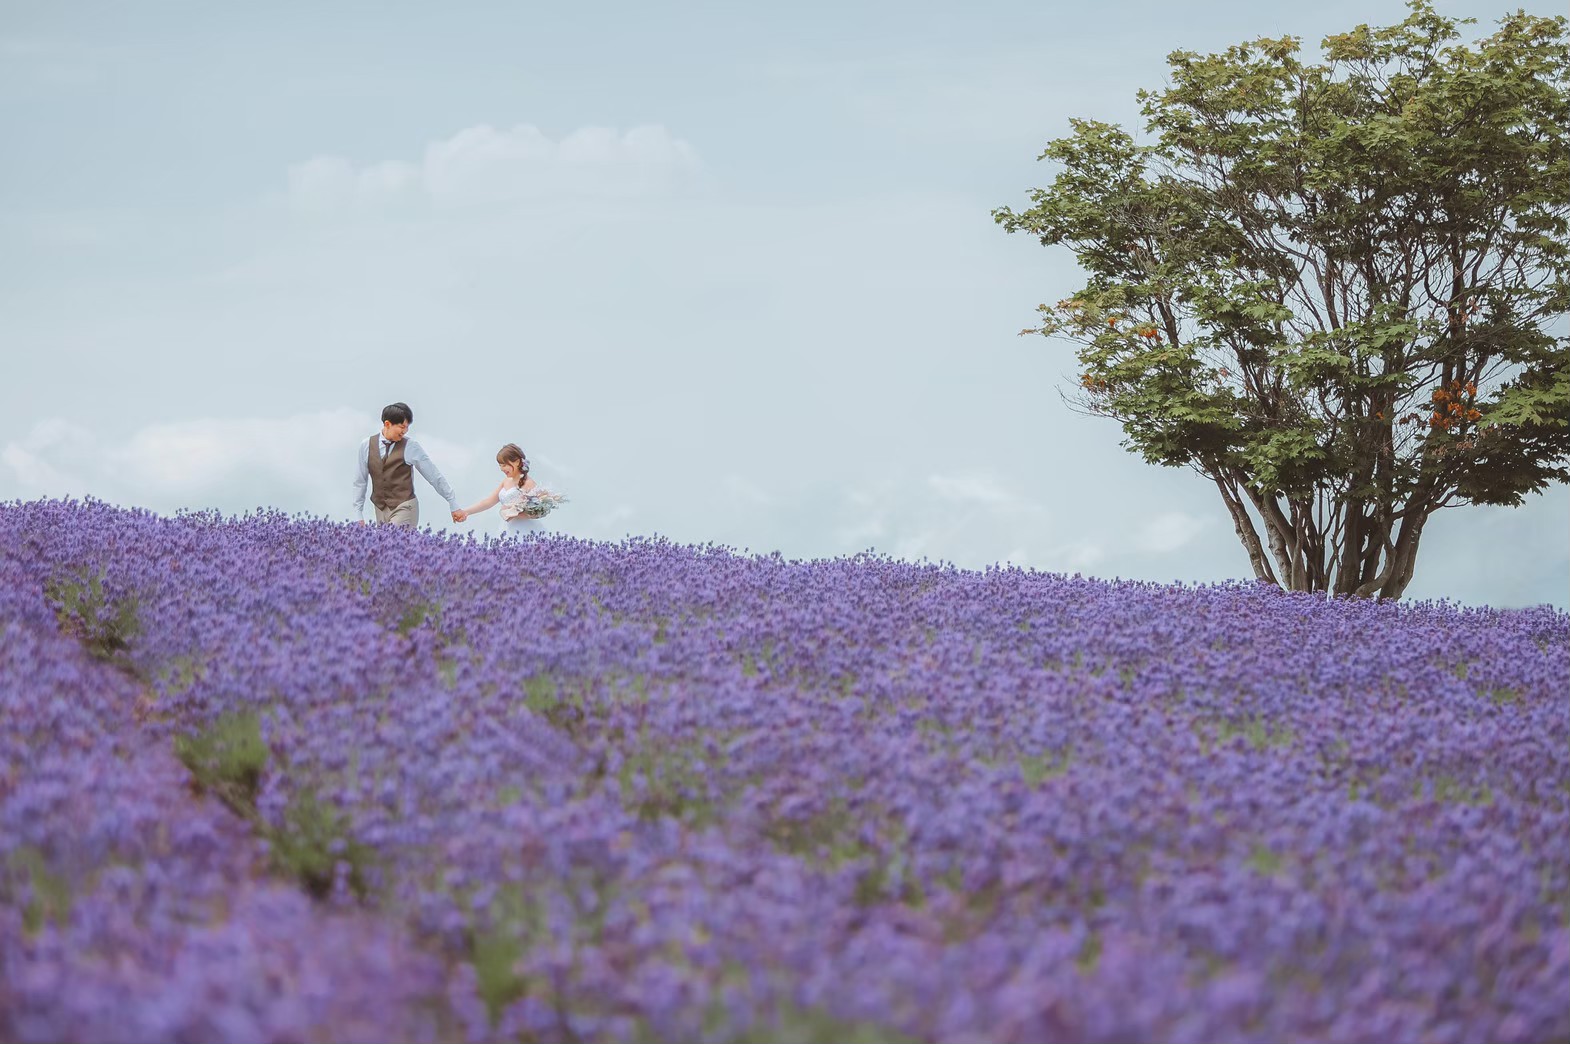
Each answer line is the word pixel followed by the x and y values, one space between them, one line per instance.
pixel 392 481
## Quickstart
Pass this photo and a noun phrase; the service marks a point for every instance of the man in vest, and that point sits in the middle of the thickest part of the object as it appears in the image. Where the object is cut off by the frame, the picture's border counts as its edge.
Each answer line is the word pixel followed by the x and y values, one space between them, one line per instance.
pixel 389 461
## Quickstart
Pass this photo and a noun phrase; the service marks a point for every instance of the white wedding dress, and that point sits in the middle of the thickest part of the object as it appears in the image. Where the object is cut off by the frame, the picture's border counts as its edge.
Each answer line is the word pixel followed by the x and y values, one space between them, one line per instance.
pixel 520 525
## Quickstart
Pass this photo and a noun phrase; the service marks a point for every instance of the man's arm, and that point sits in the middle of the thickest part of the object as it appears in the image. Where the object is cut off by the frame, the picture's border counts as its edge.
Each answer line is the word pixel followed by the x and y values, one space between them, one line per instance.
pixel 432 474
pixel 362 474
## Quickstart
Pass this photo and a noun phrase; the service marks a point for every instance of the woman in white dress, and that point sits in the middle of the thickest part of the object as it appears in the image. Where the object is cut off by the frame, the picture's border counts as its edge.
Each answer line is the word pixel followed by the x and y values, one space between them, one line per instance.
pixel 515 485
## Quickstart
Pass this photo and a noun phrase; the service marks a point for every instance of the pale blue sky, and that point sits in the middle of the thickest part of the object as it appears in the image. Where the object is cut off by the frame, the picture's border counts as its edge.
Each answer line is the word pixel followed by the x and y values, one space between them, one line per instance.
pixel 727 272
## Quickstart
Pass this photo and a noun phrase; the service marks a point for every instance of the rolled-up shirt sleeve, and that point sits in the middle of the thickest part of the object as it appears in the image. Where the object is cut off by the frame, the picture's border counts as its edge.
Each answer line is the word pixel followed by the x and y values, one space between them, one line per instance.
pixel 362 475
pixel 432 474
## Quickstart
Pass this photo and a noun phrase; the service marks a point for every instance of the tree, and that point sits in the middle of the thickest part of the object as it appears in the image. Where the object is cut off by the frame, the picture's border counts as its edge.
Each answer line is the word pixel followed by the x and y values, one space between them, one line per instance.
pixel 1331 288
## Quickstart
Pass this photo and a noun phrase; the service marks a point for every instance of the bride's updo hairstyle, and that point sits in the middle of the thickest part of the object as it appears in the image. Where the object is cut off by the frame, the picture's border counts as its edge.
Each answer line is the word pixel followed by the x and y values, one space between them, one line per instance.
pixel 511 454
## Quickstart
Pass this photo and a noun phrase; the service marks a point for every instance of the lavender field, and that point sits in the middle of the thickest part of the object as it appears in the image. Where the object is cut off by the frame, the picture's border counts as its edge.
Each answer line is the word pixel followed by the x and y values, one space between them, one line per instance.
pixel 271 779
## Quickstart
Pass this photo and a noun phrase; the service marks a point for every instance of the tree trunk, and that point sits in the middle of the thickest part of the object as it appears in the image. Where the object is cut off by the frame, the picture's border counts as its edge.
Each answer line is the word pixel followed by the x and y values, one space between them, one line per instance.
pixel 1372 565
pixel 1404 561
pixel 1245 530
pixel 1400 556
pixel 1282 538
pixel 1349 573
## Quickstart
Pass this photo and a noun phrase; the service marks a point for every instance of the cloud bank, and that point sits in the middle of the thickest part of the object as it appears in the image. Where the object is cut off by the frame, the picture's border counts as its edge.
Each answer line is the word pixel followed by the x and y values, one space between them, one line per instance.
pixel 486 165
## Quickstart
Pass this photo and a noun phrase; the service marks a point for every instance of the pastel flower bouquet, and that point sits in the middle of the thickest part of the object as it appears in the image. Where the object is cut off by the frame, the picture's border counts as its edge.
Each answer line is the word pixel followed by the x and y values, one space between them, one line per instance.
pixel 536 503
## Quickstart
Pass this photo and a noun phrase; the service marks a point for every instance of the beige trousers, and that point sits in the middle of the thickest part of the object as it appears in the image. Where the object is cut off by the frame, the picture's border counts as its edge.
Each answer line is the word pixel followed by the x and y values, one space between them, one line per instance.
pixel 405 514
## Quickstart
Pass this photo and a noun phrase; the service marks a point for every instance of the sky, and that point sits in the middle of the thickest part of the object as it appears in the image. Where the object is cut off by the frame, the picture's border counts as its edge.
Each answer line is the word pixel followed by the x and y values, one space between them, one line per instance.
pixel 726 272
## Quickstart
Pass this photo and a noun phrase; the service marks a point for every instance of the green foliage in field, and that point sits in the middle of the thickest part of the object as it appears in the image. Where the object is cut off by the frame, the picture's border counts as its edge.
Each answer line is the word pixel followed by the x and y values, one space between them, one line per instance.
pixel 105 625
pixel 227 759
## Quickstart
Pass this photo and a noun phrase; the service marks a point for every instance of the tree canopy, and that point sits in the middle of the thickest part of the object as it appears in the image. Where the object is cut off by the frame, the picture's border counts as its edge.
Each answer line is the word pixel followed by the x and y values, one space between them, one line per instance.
pixel 1336 289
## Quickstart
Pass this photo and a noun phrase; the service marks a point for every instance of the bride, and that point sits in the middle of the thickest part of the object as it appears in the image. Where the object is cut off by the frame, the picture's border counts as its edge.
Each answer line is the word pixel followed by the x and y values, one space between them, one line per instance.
pixel 520 498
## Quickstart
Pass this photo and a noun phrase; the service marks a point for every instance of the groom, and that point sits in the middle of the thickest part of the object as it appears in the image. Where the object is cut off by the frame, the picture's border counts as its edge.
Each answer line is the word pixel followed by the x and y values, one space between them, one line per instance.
pixel 389 461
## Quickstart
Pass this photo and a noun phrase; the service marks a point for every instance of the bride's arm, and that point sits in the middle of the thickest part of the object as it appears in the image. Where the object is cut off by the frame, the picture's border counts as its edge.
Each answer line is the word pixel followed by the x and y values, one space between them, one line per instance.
pixel 486 504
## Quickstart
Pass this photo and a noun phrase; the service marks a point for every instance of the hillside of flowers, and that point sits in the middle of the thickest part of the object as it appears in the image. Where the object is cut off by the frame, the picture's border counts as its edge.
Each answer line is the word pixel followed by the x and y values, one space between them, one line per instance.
pixel 281 779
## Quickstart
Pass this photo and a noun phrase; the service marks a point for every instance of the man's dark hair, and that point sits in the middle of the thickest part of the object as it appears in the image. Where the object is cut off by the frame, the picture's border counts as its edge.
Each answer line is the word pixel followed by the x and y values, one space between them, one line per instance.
pixel 398 413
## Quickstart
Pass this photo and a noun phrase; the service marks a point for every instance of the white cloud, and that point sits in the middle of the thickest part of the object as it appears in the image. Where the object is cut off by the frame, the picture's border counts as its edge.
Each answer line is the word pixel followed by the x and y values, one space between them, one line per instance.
pixel 329 183
pixel 487 165
pixel 1077 556
pixel 973 489
pixel 299 464
pixel 230 463
pixel 743 489
pixel 34 459
pixel 861 535
pixel 1167 532
pixel 968 518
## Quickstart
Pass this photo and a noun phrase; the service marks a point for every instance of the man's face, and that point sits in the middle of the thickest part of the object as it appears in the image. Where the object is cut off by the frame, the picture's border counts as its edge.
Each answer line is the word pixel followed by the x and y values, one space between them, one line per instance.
pixel 394 432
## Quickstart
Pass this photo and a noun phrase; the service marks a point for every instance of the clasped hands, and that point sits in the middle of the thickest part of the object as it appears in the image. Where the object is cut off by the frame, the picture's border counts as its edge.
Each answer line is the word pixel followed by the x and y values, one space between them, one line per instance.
pixel 460 515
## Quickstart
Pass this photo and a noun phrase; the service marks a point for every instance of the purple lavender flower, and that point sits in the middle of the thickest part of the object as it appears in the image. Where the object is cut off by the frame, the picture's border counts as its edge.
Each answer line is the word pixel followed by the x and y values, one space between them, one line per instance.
pixel 271 778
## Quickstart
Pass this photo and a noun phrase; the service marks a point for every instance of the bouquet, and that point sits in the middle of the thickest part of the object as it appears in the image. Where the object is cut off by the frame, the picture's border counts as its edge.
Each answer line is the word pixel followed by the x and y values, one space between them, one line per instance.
pixel 536 503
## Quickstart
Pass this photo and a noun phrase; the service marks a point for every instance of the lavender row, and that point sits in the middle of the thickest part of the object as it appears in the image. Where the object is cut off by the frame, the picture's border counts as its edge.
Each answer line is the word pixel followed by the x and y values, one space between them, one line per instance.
pixel 130 909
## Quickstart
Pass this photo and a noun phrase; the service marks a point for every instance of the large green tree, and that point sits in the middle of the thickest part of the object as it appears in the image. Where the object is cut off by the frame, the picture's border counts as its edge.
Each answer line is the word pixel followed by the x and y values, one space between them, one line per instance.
pixel 1338 289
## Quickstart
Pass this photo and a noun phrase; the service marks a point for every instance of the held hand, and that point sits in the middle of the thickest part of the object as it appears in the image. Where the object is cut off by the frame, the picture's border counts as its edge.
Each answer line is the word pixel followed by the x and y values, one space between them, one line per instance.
pixel 460 515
